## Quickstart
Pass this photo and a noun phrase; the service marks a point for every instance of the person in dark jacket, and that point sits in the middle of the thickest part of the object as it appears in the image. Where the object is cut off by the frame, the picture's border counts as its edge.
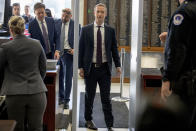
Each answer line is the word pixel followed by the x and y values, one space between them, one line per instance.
pixel 65 29
pixel 179 64
pixel 43 29
pixel 27 16
pixel 96 53
pixel 48 12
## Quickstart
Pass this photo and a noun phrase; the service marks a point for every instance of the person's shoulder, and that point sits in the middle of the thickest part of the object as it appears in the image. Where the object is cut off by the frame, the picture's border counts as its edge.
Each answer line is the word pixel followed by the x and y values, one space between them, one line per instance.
pixel 57 20
pixel 32 21
pixel 49 19
pixel 6 44
pixel 109 27
pixel 86 27
pixel 185 7
pixel 190 8
pixel 33 40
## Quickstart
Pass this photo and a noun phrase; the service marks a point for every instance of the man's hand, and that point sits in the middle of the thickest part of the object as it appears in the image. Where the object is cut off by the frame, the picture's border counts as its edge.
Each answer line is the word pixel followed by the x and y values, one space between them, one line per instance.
pixel 165 91
pixel 163 37
pixel 81 73
pixel 118 71
pixel 56 55
pixel 71 51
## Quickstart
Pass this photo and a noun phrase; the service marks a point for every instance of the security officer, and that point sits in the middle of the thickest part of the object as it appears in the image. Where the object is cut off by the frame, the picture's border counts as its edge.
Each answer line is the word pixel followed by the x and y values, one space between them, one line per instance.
pixel 180 54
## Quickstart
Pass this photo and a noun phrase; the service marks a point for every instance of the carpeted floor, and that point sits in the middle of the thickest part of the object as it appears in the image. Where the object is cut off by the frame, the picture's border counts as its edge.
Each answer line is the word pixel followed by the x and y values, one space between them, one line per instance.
pixel 120 112
pixel 62 121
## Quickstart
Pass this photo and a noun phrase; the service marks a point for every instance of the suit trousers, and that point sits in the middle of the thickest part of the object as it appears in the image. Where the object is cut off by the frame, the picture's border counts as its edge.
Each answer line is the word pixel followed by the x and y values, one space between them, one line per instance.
pixel 50 55
pixel 65 76
pixel 27 107
pixel 102 76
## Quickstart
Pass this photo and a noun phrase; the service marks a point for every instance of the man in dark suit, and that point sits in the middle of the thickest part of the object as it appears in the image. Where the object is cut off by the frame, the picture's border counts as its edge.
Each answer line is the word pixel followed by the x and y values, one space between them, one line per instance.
pixel 65 29
pixel 43 29
pixel 97 47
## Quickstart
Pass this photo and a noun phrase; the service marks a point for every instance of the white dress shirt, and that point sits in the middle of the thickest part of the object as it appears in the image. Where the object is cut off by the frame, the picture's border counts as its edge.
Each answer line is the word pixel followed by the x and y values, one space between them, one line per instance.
pixel 40 25
pixel 102 28
pixel 66 42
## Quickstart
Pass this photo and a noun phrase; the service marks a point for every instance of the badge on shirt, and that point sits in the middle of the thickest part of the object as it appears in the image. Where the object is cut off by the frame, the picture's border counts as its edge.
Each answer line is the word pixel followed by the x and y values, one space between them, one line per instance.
pixel 178 18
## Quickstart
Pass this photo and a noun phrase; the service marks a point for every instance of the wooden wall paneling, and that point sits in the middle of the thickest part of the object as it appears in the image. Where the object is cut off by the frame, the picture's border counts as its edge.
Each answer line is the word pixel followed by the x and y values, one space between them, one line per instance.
pixel 118 21
pixel 149 23
pixel 85 12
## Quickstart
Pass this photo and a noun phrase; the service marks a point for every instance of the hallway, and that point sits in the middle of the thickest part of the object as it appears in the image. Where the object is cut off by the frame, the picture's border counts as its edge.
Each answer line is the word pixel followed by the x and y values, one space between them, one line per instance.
pixel 115 88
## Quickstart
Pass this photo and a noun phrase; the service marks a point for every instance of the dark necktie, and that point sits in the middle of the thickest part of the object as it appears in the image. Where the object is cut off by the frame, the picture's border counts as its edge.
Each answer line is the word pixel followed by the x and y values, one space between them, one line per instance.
pixel 62 36
pixel 99 46
pixel 45 36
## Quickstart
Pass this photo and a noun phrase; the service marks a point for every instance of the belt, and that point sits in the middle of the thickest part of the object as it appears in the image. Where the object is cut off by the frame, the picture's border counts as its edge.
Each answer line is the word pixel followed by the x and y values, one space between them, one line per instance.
pixel 99 65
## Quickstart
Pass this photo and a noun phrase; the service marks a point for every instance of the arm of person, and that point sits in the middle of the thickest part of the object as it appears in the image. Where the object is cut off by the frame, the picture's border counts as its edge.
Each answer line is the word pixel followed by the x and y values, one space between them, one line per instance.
pixel 163 37
pixel 2 64
pixel 42 63
pixel 176 45
pixel 165 90
pixel 115 53
pixel 175 51
pixel 81 49
pixel 81 72
pixel 57 42
pixel 118 71
pixel 57 54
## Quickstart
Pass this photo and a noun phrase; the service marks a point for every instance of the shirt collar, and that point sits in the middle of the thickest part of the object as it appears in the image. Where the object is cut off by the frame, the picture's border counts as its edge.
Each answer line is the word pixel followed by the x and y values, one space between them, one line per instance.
pixel 40 21
pixel 67 23
pixel 95 24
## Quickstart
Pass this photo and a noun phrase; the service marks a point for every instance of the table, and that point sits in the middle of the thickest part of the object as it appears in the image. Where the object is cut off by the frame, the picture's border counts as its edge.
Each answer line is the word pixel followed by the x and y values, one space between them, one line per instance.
pixel 151 81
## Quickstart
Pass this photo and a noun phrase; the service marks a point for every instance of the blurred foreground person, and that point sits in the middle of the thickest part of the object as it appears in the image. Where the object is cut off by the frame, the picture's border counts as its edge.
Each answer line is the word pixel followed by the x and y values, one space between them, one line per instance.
pixel 24 64
pixel 179 71
pixel 159 116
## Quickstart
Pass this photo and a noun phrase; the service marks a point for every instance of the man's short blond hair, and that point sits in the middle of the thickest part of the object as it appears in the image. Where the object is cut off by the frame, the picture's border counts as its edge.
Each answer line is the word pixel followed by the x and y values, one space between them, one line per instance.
pixel 100 4
pixel 67 10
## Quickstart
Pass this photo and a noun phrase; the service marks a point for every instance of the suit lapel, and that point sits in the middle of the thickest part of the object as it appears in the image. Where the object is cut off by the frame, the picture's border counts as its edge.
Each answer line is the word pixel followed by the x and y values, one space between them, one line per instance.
pixel 70 28
pixel 106 36
pixel 39 30
pixel 47 26
pixel 92 34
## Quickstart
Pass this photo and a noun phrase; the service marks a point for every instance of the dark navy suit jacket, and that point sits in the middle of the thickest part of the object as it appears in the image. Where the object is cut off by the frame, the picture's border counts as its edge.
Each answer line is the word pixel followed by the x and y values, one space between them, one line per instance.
pixel 58 24
pixel 36 33
pixel 86 47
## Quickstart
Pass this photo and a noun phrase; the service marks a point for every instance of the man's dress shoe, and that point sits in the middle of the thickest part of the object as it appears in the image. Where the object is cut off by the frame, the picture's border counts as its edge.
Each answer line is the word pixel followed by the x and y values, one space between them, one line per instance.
pixel 110 129
pixel 90 125
pixel 66 105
